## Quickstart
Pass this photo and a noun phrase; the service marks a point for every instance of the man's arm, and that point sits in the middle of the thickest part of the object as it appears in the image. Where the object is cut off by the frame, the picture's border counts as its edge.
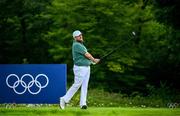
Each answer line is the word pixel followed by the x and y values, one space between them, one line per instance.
pixel 90 57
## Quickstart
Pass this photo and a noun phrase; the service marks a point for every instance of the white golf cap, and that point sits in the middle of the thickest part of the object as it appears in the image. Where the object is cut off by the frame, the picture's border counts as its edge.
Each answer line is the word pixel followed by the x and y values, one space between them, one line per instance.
pixel 76 33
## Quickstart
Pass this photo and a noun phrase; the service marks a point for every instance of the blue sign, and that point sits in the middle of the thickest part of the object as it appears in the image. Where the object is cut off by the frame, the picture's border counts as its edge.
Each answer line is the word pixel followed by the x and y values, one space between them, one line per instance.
pixel 32 83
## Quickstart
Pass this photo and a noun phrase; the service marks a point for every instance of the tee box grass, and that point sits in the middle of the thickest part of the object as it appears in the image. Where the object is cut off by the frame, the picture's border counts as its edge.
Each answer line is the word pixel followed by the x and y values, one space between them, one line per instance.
pixel 91 111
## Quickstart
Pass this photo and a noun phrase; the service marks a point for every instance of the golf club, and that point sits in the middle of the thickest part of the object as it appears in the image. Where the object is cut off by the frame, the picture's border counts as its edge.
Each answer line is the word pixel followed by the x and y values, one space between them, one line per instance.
pixel 131 36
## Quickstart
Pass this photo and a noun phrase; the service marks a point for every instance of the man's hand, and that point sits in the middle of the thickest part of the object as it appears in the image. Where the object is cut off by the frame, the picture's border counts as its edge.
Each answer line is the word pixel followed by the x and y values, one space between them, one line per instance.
pixel 96 60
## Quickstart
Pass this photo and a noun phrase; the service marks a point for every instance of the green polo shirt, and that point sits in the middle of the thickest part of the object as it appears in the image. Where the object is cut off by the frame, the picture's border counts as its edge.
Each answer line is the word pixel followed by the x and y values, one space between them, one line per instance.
pixel 78 53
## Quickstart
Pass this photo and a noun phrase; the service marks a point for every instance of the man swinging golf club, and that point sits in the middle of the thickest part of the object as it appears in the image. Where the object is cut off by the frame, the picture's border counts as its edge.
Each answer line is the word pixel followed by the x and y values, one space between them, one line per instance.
pixel 82 61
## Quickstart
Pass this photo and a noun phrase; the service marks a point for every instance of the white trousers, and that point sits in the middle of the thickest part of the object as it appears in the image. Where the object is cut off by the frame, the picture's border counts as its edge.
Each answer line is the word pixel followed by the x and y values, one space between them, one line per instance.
pixel 81 79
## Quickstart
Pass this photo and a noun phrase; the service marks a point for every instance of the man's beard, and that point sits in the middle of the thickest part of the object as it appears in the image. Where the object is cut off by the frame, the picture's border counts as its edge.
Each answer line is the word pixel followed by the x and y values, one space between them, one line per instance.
pixel 81 41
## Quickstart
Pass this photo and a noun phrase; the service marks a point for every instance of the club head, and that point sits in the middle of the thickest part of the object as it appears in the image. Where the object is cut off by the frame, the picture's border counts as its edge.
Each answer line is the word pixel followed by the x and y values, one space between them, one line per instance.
pixel 134 33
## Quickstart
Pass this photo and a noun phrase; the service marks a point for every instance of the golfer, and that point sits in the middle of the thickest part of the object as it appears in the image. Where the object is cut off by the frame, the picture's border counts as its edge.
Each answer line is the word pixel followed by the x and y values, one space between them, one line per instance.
pixel 82 61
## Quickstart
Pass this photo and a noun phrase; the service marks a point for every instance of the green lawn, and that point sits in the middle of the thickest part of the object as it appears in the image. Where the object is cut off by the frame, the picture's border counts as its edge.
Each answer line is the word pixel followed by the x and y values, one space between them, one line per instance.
pixel 92 111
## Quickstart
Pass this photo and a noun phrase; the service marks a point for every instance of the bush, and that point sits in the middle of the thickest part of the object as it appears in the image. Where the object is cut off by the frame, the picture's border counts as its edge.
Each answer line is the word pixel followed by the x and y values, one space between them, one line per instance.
pixel 101 98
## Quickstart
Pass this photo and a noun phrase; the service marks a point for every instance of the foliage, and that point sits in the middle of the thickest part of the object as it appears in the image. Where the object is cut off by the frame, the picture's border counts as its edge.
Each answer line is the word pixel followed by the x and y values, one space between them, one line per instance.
pixel 23 24
pixel 167 12
pixel 101 98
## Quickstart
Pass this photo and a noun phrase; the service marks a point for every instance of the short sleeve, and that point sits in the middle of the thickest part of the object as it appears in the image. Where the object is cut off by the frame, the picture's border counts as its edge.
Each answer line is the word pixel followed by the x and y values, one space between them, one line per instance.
pixel 80 49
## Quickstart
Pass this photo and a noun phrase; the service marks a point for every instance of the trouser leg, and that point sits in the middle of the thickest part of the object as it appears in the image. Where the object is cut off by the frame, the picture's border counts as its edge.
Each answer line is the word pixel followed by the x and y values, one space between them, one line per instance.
pixel 72 90
pixel 79 76
pixel 84 87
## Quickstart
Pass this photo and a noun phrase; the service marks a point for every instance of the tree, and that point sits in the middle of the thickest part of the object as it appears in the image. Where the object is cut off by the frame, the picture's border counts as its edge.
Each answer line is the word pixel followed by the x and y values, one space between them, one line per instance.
pixel 167 12
pixel 23 24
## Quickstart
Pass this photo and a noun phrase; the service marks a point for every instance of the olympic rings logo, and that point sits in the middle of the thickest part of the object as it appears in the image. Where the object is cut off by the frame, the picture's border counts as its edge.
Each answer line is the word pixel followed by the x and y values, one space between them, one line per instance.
pixel 26 86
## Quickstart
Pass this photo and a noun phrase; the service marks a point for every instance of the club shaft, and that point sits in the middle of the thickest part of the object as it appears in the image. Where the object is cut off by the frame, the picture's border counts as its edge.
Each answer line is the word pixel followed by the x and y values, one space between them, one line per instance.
pixel 111 52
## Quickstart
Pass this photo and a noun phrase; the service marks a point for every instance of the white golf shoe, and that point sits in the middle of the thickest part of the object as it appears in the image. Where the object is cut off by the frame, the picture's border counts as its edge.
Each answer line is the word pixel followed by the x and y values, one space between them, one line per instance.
pixel 62 103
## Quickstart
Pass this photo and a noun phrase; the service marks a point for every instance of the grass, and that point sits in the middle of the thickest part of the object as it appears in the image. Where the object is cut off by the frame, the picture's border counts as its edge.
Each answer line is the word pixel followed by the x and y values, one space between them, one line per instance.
pixel 101 104
pixel 91 111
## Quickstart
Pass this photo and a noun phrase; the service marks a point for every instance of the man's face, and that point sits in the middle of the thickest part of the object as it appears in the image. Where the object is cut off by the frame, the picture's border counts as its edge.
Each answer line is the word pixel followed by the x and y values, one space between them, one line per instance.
pixel 79 38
